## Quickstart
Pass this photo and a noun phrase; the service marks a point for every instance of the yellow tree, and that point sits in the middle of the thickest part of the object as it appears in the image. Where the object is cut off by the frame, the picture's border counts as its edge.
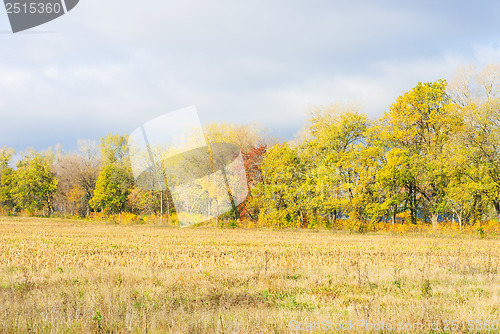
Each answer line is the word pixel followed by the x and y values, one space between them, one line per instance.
pixel 335 138
pixel 7 179
pixel 419 124
pixel 246 137
pixel 478 95
pixel 281 197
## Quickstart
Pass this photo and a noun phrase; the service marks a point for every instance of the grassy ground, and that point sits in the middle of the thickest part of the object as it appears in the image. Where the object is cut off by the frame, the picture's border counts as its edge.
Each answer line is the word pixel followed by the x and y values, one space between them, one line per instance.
pixel 61 276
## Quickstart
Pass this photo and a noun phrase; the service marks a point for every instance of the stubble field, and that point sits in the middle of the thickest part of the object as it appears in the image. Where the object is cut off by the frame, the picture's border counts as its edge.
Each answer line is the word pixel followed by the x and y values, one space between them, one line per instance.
pixel 63 276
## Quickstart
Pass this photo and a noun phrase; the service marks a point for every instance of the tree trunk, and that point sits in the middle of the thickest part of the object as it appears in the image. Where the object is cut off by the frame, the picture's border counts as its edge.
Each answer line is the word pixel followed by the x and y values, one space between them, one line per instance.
pixel 304 223
pixel 434 220
pixel 413 205
pixel 496 204
pixel 459 217
pixel 332 217
pixel 168 210
pixel 161 207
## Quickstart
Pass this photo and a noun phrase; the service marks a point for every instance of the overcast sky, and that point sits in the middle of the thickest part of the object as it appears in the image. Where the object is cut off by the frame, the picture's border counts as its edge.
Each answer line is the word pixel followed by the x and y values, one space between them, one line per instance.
pixel 109 66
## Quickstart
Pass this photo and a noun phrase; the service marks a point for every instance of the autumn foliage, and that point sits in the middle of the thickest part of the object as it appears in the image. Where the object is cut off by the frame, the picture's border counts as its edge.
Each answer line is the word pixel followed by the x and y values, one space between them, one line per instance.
pixel 432 158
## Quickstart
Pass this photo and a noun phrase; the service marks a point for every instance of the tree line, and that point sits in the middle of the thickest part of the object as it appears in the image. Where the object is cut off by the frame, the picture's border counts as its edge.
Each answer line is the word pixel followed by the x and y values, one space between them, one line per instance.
pixel 97 178
pixel 435 153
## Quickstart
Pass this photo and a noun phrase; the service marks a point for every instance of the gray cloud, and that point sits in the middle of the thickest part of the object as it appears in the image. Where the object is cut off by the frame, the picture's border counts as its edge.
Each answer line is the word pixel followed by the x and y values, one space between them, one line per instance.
pixel 108 66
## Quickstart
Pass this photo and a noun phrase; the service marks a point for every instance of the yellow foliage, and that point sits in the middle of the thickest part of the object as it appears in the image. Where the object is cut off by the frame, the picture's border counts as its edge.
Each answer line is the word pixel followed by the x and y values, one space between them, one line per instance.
pixel 76 194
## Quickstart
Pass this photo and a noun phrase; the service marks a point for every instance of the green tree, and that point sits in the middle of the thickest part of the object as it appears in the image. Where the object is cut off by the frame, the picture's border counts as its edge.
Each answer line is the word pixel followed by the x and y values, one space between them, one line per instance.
pixel 115 177
pixel 7 179
pixel 112 188
pixel 114 149
pixel 7 184
pixel 35 184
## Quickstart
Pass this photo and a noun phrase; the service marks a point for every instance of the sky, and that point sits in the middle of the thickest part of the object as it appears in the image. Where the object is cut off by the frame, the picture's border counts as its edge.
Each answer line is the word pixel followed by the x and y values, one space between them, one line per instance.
pixel 110 66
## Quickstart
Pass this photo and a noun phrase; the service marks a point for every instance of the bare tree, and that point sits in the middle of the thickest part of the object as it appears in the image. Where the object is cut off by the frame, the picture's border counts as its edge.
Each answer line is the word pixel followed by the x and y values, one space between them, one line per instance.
pixel 77 174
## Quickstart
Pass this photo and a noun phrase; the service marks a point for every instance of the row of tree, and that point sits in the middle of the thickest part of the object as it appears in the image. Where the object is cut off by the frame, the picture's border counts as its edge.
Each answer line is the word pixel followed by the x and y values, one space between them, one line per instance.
pixel 435 153
pixel 97 178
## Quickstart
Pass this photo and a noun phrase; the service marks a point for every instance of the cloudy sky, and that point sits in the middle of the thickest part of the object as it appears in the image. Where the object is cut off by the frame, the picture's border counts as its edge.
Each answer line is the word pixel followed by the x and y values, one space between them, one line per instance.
pixel 109 66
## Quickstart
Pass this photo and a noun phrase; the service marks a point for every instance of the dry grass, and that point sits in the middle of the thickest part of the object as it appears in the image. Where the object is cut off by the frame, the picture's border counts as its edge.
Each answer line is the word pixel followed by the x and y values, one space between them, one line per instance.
pixel 69 276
